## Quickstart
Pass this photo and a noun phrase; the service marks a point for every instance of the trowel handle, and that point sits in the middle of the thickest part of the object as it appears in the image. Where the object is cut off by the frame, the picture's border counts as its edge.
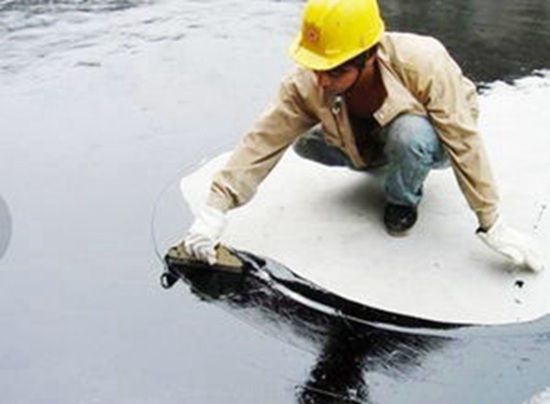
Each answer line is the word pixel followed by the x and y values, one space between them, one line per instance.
pixel 167 280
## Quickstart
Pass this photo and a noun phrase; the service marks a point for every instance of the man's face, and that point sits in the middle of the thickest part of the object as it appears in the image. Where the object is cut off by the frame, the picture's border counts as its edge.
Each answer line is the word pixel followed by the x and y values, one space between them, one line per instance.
pixel 338 80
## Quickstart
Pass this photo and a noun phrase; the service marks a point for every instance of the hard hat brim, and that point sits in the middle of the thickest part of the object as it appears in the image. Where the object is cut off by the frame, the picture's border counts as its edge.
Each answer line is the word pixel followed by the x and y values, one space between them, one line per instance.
pixel 310 60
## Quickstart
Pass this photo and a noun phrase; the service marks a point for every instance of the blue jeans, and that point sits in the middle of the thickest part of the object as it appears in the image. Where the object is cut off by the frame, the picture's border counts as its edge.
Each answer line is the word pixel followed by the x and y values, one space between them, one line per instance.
pixel 410 147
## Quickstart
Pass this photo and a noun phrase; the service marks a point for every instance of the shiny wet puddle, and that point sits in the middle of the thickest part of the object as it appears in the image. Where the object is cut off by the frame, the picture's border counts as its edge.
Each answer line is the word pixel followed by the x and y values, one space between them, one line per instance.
pixel 105 104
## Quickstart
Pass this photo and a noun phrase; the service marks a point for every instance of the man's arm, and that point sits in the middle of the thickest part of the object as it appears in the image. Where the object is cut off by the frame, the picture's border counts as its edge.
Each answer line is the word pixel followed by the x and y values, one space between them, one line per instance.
pixel 251 161
pixel 451 103
pixel 262 147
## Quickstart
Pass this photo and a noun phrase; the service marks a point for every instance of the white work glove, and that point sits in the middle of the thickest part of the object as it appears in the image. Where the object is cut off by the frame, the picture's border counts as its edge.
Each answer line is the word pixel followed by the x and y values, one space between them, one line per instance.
pixel 205 233
pixel 513 245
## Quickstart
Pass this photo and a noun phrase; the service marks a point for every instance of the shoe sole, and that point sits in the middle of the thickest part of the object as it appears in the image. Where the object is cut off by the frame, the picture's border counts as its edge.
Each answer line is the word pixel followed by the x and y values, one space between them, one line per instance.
pixel 399 233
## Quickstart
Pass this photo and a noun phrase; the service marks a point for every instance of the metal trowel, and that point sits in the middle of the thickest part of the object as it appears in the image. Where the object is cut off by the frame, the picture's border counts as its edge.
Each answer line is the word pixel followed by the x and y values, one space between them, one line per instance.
pixel 227 260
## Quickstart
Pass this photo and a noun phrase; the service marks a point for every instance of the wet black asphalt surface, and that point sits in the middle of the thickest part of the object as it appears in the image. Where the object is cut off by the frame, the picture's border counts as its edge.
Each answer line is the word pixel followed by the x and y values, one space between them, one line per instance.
pixel 105 104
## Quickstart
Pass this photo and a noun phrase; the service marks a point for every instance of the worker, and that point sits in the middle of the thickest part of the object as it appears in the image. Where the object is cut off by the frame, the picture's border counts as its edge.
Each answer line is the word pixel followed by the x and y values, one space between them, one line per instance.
pixel 362 97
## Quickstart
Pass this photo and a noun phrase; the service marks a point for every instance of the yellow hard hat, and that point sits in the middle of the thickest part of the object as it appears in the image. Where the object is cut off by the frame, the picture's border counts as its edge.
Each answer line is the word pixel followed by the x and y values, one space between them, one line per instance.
pixel 334 31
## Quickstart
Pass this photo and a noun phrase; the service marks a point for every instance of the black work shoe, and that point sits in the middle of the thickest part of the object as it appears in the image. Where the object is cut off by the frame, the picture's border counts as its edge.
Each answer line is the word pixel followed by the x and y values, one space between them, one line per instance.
pixel 398 219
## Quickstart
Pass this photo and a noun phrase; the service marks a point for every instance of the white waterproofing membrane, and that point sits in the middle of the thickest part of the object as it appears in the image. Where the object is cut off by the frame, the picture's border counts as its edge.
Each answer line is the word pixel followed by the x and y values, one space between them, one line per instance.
pixel 325 224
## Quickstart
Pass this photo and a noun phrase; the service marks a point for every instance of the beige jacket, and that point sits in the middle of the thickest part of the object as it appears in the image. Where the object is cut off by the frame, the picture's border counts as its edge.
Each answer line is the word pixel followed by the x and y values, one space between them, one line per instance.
pixel 420 78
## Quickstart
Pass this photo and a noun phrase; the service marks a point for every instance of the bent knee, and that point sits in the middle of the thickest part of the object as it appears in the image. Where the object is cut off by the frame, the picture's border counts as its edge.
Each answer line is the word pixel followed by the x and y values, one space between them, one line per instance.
pixel 413 135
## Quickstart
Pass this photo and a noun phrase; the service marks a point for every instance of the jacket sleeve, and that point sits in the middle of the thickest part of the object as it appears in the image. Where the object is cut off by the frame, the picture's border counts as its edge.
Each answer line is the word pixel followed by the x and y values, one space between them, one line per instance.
pixel 451 103
pixel 262 147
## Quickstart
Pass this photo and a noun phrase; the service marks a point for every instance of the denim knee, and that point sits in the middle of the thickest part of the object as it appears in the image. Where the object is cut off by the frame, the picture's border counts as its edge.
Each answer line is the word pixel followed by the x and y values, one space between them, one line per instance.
pixel 413 149
pixel 413 138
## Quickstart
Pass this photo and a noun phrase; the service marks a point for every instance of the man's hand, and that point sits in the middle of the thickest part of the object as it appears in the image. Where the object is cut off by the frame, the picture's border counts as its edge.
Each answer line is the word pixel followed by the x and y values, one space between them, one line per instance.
pixel 205 234
pixel 512 244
